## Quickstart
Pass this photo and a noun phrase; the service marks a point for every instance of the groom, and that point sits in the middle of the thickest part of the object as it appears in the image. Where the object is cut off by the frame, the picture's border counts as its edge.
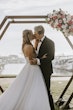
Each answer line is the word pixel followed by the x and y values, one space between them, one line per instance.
pixel 44 47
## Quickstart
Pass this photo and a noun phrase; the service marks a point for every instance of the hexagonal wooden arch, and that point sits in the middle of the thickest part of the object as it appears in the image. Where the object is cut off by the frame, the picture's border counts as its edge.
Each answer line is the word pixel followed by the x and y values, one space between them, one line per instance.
pixel 12 20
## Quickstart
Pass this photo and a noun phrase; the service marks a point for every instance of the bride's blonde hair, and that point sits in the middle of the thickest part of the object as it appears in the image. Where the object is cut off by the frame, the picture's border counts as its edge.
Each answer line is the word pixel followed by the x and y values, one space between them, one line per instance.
pixel 26 37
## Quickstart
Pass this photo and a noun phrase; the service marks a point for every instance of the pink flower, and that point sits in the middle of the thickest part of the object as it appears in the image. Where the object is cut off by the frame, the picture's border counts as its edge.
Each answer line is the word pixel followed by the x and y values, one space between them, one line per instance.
pixel 54 17
pixel 61 21
pixel 70 22
pixel 59 25
pixel 72 17
pixel 71 29
pixel 63 16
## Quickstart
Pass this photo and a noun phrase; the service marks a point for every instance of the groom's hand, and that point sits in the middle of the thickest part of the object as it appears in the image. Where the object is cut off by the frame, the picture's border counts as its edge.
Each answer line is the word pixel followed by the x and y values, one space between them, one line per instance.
pixel 44 56
pixel 33 61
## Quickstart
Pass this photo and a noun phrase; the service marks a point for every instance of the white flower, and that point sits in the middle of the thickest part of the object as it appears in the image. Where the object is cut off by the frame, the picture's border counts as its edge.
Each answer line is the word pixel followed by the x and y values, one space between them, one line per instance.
pixel 54 14
pixel 61 21
pixel 49 15
pixel 59 16
pixel 48 19
pixel 71 26
pixel 67 30
pixel 71 33
pixel 56 21
pixel 64 30
pixel 64 26
pixel 64 20
pixel 66 34
pixel 55 25
pixel 68 17
pixel 62 12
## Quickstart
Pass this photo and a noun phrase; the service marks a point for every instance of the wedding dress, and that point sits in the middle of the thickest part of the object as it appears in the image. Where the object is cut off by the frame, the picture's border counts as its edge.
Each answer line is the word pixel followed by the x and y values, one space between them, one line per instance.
pixel 27 92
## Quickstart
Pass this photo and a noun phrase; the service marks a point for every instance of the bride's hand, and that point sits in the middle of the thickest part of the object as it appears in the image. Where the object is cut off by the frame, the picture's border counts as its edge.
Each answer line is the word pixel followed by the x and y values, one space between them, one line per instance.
pixel 33 61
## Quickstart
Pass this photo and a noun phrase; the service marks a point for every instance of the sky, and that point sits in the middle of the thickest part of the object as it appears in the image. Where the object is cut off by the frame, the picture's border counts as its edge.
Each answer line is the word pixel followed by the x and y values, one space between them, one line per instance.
pixel 12 40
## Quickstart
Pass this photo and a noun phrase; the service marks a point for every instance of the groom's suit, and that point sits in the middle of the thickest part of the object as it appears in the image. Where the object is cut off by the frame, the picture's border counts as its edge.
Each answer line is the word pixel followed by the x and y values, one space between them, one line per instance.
pixel 47 47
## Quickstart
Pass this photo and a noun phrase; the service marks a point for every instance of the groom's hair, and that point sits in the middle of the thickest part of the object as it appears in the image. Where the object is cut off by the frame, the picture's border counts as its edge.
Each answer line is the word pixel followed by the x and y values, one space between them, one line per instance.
pixel 39 29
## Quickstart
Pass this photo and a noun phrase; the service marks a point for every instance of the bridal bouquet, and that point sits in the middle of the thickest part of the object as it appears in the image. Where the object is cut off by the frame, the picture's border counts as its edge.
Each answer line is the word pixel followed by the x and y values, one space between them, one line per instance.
pixel 61 21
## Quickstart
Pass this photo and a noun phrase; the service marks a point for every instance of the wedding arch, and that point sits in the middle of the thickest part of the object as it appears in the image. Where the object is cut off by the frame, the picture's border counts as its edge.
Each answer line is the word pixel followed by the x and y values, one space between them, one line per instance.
pixel 59 20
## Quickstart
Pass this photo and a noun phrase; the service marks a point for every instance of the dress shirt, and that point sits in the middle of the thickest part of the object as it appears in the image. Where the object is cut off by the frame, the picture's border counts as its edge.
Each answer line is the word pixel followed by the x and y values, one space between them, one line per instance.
pixel 37 51
pixel 39 44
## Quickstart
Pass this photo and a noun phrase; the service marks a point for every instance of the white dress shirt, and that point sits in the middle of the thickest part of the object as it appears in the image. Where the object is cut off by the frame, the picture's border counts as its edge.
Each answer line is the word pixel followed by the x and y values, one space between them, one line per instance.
pixel 37 51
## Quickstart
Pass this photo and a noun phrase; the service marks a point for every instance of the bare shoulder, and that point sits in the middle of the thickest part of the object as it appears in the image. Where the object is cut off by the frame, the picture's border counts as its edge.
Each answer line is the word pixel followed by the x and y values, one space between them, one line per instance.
pixel 28 47
pixel 28 51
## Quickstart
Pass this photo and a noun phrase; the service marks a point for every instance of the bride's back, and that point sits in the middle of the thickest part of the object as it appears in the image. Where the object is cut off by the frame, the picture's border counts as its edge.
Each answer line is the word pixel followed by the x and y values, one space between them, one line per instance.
pixel 27 47
pixel 29 51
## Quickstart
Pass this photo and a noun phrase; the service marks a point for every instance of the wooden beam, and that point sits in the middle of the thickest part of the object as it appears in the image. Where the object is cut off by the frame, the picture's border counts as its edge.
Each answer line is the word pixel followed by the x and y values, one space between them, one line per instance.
pixel 22 17
pixel 3 22
pixel 4 30
pixel 70 43
pixel 28 22
pixel 27 16
pixel 1 89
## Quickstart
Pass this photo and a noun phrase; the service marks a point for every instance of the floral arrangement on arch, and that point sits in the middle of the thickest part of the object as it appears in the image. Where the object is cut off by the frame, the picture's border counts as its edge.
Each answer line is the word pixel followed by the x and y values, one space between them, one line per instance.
pixel 61 21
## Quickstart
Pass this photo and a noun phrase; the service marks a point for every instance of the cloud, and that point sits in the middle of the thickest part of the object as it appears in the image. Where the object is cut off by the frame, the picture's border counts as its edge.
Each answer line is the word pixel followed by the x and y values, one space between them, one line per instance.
pixel 17 4
pixel 32 6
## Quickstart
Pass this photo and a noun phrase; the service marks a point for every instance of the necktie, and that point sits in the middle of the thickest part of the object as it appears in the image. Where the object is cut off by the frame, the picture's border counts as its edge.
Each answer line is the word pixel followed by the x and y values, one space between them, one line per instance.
pixel 36 44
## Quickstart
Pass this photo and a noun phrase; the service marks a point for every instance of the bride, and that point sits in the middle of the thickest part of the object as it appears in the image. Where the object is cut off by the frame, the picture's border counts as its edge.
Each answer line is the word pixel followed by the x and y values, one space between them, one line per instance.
pixel 28 91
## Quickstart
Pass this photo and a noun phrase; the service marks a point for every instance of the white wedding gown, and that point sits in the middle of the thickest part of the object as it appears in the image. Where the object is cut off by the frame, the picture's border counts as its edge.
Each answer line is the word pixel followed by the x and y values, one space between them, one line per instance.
pixel 27 92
